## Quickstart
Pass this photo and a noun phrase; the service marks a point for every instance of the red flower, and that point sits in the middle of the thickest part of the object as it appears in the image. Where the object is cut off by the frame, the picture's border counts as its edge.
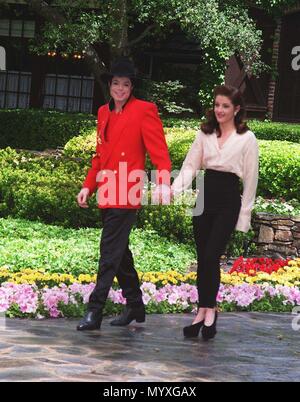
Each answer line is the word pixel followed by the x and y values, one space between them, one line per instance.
pixel 245 265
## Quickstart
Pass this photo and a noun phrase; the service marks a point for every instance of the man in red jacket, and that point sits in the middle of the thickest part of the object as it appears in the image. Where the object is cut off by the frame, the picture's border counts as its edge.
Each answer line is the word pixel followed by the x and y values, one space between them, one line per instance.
pixel 127 129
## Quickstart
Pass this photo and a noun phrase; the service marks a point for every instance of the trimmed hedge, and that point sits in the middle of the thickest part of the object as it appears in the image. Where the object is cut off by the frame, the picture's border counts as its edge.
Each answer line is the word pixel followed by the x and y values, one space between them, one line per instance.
pixel 276 131
pixel 279 174
pixel 39 129
pixel 264 130
pixel 43 189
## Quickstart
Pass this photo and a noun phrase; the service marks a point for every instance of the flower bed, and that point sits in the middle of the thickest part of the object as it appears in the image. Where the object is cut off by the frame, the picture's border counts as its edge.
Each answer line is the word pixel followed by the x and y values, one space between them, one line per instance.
pixel 37 294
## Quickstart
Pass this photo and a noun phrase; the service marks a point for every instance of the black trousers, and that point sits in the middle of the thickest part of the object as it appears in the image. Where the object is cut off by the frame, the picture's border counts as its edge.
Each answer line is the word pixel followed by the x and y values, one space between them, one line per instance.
pixel 213 229
pixel 116 259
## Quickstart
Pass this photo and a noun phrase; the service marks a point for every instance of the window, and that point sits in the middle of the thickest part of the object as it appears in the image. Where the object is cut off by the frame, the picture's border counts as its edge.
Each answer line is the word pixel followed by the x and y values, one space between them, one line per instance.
pixel 69 93
pixel 2 58
pixel 14 89
pixel 17 28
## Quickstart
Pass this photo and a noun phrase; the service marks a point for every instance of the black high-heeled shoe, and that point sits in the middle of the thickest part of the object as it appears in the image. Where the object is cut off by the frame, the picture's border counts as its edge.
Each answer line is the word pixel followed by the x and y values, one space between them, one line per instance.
pixel 192 331
pixel 211 331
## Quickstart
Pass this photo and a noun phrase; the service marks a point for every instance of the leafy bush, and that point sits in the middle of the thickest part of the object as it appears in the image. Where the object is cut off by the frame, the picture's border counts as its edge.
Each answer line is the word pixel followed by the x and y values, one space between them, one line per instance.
pixel 278 206
pixel 279 174
pixel 279 160
pixel 82 146
pixel 174 223
pixel 39 129
pixel 276 131
pixel 264 130
pixel 170 96
pixel 43 189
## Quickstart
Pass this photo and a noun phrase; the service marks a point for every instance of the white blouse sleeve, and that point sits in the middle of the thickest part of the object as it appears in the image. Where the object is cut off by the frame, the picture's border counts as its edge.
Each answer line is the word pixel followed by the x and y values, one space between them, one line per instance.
pixel 250 179
pixel 190 167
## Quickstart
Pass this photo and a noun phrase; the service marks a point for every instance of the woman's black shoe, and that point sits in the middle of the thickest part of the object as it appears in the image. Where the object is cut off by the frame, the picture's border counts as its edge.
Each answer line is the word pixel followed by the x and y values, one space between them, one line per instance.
pixel 210 332
pixel 192 331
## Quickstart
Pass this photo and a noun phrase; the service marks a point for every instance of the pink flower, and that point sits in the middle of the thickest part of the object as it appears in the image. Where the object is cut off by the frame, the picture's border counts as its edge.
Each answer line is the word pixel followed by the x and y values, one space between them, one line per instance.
pixel 116 296
pixel 29 298
pixel 146 299
pixel 160 296
pixel 173 298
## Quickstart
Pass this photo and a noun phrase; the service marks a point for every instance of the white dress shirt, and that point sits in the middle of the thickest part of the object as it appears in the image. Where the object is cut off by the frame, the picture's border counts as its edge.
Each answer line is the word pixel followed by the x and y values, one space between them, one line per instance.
pixel 239 155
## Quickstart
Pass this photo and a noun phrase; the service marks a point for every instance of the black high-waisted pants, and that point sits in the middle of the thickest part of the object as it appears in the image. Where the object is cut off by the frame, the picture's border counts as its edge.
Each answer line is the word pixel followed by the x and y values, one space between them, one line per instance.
pixel 213 229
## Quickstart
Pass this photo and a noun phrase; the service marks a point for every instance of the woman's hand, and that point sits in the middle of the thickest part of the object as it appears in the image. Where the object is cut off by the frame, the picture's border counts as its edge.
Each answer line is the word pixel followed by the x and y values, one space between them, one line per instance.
pixel 82 198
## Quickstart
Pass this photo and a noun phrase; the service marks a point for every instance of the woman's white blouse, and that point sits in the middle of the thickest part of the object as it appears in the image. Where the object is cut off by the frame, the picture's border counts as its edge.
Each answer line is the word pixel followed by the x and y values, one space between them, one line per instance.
pixel 239 154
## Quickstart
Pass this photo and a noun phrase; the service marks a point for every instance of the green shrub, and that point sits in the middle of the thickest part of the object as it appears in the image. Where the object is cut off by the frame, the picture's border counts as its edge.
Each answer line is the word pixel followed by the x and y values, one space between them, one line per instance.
pixel 43 189
pixel 279 174
pixel 279 160
pixel 263 130
pixel 276 131
pixel 174 223
pixel 277 206
pixel 171 97
pixel 82 146
pixel 39 129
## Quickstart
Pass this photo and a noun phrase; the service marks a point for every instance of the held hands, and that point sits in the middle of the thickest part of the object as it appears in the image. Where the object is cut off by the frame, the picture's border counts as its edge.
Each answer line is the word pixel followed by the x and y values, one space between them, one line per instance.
pixel 82 198
pixel 162 195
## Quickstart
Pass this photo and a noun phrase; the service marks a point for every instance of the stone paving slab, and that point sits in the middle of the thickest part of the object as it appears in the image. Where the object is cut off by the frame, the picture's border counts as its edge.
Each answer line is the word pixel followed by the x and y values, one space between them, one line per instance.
pixel 249 347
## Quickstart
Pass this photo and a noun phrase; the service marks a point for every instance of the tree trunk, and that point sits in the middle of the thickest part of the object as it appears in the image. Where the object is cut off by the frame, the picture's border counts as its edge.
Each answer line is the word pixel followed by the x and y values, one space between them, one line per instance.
pixel 119 34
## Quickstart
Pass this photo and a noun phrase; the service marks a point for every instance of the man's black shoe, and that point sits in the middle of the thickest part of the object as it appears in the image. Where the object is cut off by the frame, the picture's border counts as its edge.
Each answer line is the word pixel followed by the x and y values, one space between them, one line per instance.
pixel 130 314
pixel 92 320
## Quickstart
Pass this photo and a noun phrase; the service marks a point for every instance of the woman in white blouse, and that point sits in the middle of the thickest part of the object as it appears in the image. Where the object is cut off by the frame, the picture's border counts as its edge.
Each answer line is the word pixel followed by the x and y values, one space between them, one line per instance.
pixel 228 151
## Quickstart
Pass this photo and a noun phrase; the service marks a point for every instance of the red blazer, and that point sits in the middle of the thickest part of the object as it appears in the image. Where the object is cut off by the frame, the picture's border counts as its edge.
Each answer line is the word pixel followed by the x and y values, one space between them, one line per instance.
pixel 137 131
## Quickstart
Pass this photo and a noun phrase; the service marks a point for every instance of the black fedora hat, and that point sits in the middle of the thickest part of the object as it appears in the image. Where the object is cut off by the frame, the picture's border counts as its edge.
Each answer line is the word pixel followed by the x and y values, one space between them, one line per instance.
pixel 122 67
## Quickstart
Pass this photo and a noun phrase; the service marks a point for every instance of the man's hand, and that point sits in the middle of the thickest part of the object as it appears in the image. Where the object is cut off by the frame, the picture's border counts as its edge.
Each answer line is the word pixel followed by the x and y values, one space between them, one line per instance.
pixel 162 195
pixel 82 198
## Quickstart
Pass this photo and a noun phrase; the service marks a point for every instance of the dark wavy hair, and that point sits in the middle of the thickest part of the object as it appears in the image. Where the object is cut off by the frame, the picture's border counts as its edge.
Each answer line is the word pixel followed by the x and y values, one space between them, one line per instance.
pixel 211 124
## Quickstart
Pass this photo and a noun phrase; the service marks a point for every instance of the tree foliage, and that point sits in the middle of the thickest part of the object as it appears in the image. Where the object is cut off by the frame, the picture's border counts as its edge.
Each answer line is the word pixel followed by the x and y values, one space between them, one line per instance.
pixel 222 27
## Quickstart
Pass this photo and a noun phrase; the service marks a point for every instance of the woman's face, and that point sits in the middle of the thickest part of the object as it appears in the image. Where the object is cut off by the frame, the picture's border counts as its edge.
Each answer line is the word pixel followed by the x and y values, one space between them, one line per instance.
pixel 120 89
pixel 224 109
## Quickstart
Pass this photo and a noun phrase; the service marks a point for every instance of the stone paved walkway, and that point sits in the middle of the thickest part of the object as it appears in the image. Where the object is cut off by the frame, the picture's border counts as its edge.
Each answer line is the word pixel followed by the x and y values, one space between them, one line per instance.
pixel 249 347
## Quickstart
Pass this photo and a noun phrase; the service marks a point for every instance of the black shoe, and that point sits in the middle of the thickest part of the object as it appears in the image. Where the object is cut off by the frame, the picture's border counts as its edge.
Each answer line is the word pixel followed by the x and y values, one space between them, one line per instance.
pixel 192 331
pixel 92 320
pixel 210 332
pixel 129 314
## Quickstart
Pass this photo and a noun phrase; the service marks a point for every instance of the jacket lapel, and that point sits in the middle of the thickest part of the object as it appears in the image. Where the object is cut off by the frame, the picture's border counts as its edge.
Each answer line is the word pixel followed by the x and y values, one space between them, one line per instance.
pixel 102 125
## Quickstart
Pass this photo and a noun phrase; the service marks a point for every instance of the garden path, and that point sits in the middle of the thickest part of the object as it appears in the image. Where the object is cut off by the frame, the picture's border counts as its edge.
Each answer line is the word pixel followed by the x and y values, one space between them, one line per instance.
pixel 248 347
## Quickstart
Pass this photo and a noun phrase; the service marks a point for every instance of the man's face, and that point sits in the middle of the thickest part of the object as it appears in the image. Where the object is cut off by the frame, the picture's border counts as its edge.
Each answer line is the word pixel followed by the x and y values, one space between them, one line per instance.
pixel 120 89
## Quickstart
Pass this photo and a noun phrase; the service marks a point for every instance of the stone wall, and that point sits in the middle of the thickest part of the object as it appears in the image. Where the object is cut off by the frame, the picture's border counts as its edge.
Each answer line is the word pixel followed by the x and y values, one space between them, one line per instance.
pixel 277 235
